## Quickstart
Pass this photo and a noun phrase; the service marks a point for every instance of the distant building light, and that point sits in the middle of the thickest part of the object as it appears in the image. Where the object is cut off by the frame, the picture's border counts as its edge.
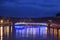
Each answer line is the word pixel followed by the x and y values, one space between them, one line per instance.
pixel 1 21
pixel 50 20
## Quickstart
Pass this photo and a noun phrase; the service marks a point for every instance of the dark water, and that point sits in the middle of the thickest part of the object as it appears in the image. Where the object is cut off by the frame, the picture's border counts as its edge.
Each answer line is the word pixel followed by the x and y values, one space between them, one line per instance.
pixel 28 33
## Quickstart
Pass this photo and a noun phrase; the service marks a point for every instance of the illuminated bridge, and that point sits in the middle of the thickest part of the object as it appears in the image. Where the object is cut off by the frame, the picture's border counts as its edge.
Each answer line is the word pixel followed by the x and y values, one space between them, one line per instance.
pixel 27 27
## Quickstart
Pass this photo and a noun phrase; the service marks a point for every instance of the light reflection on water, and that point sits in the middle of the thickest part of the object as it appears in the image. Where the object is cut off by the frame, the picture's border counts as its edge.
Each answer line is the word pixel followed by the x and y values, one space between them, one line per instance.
pixel 59 33
pixel 1 33
pixel 6 31
pixel 39 31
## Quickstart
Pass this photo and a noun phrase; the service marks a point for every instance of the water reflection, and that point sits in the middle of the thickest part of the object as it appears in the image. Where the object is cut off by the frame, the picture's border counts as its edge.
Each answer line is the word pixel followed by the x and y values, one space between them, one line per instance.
pixel 55 32
pixel 34 32
pixel 43 31
pixel 11 29
pixel 59 33
pixel 6 31
pixel 27 31
pixel 1 33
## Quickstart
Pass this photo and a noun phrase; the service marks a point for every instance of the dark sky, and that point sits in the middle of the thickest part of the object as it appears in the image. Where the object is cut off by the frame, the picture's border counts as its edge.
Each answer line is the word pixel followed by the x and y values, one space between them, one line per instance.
pixel 29 8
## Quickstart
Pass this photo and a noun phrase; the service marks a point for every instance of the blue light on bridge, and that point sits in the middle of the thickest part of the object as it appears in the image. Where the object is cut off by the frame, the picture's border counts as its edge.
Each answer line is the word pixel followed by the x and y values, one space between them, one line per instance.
pixel 19 27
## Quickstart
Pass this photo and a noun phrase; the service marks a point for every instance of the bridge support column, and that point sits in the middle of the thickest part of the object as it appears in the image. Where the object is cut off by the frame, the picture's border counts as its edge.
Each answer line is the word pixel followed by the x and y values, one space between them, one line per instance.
pixel 13 32
pixel 53 34
pixel 57 34
pixel 10 33
pixel 48 33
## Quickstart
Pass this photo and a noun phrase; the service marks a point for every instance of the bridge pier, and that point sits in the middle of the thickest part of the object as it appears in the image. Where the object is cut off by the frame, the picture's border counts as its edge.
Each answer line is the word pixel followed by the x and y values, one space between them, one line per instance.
pixel 57 34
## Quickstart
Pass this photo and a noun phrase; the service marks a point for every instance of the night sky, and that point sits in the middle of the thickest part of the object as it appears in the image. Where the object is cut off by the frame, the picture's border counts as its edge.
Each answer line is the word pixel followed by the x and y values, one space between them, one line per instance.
pixel 29 8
